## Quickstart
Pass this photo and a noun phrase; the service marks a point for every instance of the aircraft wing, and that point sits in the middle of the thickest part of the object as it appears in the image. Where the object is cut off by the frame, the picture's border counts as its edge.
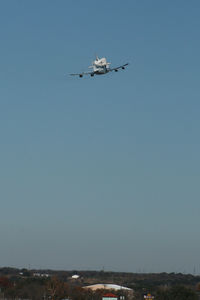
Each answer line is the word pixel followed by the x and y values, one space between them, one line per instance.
pixel 81 74
pixel 120 67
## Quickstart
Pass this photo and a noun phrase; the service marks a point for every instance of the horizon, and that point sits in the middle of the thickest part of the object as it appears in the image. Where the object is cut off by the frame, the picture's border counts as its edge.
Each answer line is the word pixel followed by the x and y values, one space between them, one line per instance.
pixel 100 270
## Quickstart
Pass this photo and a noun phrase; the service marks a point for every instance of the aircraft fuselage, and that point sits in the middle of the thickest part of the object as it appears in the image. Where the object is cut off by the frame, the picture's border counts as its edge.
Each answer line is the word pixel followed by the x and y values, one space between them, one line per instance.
pixel 101 70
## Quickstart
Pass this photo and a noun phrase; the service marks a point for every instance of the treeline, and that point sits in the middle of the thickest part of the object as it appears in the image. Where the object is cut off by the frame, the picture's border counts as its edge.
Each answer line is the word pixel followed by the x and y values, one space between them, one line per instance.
pixel 56 289
pixel 31 284
pixel 52 288
pixel 89 277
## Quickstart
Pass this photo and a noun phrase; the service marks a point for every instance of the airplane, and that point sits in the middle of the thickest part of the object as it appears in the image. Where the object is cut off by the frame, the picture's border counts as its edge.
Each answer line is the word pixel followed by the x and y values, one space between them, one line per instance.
pixel 100 66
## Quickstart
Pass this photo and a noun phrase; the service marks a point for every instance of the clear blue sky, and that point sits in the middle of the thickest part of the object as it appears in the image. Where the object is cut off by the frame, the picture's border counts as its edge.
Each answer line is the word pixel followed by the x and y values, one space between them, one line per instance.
pixel 104 171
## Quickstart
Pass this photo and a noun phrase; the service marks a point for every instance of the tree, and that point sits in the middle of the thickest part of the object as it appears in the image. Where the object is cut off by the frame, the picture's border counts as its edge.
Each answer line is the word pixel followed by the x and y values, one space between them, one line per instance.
pixel 176 293
pixel 56 289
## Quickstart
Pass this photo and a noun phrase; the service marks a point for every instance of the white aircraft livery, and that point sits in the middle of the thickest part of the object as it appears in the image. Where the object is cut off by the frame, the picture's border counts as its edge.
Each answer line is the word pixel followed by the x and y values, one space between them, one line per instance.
pixel 100 66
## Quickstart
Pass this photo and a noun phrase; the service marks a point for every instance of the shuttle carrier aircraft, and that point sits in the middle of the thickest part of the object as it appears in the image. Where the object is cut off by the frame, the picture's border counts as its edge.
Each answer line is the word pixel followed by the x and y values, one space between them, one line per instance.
pixel 100 66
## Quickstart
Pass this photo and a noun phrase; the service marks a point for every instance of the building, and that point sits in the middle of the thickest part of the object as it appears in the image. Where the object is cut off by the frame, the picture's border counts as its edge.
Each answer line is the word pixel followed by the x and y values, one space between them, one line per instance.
pixel 109 296
pixel 106 286
pixel 112 287
pixel 75 276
